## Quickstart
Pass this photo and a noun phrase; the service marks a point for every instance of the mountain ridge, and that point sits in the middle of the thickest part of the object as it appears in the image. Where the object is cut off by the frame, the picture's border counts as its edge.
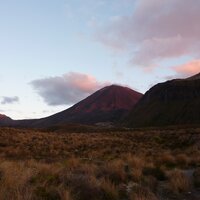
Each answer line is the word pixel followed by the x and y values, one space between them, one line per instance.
pixel 108 104
pixel 173 102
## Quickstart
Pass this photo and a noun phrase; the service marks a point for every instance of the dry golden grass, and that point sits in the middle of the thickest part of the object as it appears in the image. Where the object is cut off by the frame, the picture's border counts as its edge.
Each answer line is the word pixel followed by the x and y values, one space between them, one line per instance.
pixel 179 182
pixel 110 191
pixel 65 195
pixel 167 159
pixel 142 193
pixel 115 165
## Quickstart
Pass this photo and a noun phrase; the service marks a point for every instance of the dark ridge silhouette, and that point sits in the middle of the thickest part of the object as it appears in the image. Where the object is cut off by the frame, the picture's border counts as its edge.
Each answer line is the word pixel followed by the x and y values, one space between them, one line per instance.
pixel 175 102
pixel 195 77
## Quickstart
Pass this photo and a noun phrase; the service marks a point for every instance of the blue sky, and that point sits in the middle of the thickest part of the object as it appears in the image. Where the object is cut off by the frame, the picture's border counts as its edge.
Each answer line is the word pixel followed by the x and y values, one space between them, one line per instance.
pixel 47 44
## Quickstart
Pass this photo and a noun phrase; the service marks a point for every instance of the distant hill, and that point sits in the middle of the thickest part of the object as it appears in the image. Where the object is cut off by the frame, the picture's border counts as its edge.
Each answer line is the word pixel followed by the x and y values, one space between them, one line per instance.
pixel 107 105
pixel 175 102
pixel 5 120
pixel 104 107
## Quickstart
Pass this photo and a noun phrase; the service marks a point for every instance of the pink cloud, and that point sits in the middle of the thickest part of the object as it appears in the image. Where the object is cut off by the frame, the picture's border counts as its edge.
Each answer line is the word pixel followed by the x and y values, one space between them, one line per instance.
pixel 84 82
pixel 188 69
pixel 67 89
pixel 156 30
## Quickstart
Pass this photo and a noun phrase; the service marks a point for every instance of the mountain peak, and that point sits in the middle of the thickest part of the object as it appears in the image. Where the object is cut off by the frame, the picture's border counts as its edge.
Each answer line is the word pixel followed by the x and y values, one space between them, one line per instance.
pixel 109 98
pixel 114 87
pixel 2 116
pixel 108 104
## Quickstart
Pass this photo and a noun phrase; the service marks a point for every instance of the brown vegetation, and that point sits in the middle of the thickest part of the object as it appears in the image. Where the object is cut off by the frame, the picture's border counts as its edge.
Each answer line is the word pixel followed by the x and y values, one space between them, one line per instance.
pixel 136 165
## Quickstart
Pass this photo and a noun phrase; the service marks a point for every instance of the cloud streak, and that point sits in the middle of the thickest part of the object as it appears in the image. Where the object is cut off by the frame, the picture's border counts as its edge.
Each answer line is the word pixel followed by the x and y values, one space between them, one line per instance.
pixel 188 69
pixel 66 89
pixel 156 30
pixel 9 100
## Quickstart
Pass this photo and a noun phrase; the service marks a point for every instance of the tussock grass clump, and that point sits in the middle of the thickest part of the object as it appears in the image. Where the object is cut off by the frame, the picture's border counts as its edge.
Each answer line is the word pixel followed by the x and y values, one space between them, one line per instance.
pixel 72 163
pixel 142 193
pixel 178 182
pixel 65 195
pixel 167 159
pixel 84 187
pixel 14 183
pixel 114 171
pixel 135 165
pixel 110 191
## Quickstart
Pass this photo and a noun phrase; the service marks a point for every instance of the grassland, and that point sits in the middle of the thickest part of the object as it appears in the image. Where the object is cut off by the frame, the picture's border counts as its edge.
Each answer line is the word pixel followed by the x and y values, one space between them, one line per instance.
pixel 148 164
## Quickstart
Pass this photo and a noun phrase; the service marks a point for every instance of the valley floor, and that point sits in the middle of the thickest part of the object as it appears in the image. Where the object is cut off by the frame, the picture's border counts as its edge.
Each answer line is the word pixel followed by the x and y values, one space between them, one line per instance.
pixel 148 164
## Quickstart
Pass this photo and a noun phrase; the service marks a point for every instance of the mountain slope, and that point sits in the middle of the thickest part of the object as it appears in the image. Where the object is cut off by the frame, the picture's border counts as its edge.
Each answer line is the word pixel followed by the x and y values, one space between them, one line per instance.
pixel 109 104
pixel 171 103
pixel 5 120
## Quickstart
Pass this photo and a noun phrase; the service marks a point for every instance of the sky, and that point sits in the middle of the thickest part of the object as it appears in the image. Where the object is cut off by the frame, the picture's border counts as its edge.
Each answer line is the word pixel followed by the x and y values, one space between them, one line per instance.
pixel 54 53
